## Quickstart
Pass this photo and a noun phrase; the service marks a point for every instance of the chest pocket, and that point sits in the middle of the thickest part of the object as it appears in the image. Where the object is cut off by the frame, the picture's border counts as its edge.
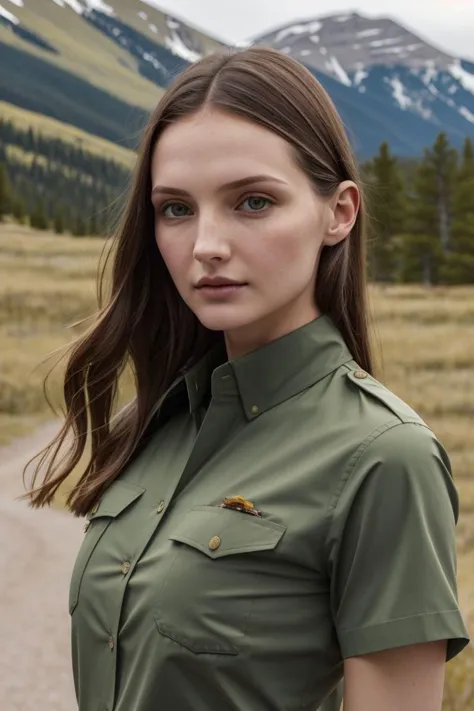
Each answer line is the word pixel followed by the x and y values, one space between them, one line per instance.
pixel 220 559
pixel 116 499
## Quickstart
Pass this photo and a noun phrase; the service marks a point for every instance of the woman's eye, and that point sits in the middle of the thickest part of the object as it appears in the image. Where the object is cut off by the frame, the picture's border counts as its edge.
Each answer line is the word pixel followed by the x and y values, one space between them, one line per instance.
pixel 256 203
pixel 175 209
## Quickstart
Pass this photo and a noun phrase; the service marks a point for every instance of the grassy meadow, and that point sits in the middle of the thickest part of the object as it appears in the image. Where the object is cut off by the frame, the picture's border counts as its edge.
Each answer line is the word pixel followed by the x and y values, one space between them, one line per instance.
pixel 425 336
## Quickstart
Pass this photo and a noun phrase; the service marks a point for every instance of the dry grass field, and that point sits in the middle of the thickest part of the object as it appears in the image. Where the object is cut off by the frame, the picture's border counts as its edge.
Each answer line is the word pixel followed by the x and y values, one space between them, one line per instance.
pixel 425 336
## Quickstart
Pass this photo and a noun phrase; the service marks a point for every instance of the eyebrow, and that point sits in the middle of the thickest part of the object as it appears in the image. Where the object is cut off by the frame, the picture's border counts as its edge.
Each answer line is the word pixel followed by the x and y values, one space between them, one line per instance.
pixel 251 180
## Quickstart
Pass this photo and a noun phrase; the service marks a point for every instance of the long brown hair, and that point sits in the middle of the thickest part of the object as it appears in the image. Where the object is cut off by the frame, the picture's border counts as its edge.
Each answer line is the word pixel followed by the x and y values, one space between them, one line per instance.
pixel 145 321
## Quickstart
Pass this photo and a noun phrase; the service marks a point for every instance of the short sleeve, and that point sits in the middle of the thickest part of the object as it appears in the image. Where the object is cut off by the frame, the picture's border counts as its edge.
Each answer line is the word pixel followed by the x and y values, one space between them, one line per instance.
pixel 392 546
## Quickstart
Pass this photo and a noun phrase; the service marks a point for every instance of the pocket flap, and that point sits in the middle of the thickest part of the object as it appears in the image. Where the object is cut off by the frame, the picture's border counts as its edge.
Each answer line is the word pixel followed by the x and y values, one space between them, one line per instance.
pixel 115 499
pixel 219 532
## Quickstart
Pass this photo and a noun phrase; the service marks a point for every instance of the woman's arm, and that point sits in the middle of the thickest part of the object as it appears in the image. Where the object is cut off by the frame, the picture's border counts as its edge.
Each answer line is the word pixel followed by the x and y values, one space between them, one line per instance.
pixel 402 679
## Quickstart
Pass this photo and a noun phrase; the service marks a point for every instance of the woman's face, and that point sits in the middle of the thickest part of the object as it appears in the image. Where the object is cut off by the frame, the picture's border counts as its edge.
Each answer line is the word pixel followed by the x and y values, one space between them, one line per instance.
pixel 231 204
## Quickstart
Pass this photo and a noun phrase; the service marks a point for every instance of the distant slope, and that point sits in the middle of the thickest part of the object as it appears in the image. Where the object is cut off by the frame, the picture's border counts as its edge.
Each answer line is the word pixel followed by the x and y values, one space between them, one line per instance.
pixel 389 83
pixel 40 86
pixel 51 128
pixel 102 65
pixel 126 50
pixel 76 47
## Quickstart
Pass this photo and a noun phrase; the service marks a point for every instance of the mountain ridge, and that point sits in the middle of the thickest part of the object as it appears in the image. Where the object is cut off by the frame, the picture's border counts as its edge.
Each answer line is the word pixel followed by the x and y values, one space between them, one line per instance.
pixel 386 81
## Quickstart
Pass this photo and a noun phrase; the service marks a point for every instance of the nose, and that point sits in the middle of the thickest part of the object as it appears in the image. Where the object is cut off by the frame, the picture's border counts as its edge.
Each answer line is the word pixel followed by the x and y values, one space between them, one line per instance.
pixel 211 243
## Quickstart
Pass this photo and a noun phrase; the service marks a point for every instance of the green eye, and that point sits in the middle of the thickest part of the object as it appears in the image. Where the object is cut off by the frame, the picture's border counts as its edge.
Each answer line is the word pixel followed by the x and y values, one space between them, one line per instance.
pixel 256 203
pixel 175 209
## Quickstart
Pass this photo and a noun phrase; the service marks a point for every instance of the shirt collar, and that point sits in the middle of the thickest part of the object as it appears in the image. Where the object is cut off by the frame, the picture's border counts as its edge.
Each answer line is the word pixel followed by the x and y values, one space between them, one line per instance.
pixel 272 373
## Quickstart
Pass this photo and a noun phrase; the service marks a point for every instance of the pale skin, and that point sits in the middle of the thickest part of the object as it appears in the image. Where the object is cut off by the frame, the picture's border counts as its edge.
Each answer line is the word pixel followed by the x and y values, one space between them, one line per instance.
pixel 267 233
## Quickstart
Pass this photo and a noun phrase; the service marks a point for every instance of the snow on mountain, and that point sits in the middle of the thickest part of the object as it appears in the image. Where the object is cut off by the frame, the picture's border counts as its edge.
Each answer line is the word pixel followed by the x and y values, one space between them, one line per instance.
pixel 85 5
pixel 175 36
pixel 388 64
pixel 388 83
pixel 354 40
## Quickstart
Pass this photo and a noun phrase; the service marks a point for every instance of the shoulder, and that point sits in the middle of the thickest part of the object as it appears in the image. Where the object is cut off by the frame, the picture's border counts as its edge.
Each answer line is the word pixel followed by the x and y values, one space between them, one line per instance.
pixel 375 395
pixel 395 451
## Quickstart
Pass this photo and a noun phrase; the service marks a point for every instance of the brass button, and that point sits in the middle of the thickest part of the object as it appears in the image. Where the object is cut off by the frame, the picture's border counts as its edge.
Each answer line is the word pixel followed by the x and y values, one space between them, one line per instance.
pixel 111 643
pixel 161 506
pixel 254 409
pixel 214 543
pixel 125 567
pixel 86 526
pixel 360 374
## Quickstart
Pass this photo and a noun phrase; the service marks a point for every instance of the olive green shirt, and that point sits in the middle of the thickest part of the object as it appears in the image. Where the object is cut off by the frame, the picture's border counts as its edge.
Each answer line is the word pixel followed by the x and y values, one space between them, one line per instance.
pixel 179 604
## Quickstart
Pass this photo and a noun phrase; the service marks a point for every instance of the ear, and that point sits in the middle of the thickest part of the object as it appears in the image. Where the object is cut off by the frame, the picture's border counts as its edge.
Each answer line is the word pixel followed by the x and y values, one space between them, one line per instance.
pixel 344 207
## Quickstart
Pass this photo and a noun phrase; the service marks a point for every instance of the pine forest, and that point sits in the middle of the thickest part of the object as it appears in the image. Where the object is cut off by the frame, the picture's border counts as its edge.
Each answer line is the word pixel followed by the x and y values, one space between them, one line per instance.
pixel 421 212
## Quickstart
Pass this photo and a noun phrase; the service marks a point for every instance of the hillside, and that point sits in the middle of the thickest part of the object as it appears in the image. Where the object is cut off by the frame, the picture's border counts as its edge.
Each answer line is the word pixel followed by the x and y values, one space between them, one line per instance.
pixel 102 67
pixel 51 128
pixel 98 70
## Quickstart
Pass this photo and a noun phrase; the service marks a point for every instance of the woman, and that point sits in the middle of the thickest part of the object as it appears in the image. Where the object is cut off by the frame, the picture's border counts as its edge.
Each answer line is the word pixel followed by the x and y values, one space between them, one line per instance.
pixel 264 518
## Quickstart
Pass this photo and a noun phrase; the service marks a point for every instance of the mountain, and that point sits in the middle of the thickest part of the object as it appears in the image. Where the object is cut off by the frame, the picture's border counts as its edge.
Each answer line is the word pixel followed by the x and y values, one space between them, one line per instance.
pixel 103 66
pixel 95 66
pixel 386 81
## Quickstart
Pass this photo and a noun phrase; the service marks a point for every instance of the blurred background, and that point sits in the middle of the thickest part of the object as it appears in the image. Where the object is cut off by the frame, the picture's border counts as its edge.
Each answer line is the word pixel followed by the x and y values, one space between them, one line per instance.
pixel 78 79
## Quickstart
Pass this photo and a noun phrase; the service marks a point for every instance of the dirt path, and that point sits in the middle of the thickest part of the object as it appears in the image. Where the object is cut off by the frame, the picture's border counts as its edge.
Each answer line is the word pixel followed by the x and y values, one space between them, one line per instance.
pixel 38 550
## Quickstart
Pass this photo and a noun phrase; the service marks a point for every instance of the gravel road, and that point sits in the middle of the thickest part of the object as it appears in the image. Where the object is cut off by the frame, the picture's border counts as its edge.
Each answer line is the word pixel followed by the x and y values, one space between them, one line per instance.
pixel 39 548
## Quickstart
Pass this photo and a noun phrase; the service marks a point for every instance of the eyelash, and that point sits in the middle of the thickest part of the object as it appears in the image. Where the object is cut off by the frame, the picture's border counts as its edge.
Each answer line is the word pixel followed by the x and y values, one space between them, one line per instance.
pixel 162 208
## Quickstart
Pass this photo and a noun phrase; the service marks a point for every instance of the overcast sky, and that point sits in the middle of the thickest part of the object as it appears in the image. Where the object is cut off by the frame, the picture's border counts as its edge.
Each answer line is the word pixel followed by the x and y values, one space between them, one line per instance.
pixel 449 24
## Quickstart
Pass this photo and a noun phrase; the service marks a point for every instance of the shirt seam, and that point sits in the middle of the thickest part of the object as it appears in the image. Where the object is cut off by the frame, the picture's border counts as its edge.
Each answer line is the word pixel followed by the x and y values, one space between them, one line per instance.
pixel 354 460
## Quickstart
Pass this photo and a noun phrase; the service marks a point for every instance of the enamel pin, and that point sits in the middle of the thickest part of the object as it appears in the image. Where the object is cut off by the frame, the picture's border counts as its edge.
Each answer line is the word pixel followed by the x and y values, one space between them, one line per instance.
pixel 238 503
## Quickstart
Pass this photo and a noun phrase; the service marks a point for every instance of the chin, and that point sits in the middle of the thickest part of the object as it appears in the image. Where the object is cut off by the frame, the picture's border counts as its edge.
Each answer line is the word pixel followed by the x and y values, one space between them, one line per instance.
pixel 222 319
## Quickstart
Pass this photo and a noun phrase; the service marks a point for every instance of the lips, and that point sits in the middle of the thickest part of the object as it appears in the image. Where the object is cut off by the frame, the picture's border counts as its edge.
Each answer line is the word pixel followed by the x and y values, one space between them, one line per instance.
pixel 217 282
pixel 219 288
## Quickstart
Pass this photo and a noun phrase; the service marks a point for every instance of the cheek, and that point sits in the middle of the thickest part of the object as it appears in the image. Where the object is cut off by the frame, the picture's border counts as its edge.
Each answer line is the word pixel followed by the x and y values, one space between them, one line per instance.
pixel 173 254
pixel 291 245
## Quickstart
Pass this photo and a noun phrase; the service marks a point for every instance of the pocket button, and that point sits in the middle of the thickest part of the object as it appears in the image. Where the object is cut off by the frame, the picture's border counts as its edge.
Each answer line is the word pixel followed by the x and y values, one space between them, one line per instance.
pixel 214 543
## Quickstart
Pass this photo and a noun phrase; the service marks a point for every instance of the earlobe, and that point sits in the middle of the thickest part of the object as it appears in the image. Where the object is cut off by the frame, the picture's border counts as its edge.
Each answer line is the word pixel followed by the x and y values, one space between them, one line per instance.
pixel 336 234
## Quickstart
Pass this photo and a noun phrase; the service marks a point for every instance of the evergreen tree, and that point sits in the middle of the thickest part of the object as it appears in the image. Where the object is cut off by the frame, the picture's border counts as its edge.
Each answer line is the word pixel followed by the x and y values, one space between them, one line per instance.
pixel 79 229
pixel 93 228
pixel 387 212
pixel 18 209
pixel 459 267
pixel 5 192
pixel 428 242
pixel 58 221
pixel 38 218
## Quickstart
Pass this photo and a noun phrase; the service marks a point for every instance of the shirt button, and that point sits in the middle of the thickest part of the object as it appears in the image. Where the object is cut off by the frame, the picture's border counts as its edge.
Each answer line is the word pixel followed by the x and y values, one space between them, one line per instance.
pixel 214 543
pixel 111 643
pixel 254 409
pixel 360 374
pixel 161 506
pixel 125 567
